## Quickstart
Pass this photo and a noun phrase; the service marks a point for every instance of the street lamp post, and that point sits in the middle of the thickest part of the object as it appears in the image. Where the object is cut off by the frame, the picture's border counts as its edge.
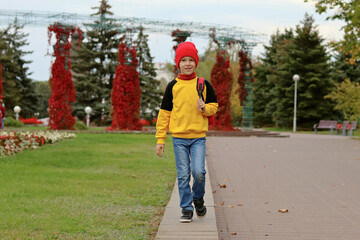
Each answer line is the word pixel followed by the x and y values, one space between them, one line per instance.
pixel 88 111
pixel 296 78
pixel 17 110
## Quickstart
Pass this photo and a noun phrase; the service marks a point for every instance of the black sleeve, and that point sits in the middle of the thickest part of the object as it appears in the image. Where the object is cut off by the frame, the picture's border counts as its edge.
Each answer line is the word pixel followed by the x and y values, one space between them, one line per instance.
pixel 167 101
pixel 210 93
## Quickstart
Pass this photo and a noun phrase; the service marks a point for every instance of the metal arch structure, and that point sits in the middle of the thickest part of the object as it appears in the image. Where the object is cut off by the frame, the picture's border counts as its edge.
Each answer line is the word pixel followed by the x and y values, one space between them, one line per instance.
pixel 221 34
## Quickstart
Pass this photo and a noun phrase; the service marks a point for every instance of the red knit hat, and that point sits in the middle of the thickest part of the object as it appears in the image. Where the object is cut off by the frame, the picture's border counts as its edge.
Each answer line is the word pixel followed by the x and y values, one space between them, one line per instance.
pixel 186 49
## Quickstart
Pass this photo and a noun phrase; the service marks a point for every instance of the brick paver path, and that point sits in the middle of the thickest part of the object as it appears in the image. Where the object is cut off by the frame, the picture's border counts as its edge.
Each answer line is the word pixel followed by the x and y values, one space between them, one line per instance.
pixel 315 177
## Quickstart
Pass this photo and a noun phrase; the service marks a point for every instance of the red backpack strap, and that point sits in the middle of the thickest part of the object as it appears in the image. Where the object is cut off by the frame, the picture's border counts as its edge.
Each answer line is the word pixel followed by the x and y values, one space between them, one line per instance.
pixel 200 84
pixel 200 87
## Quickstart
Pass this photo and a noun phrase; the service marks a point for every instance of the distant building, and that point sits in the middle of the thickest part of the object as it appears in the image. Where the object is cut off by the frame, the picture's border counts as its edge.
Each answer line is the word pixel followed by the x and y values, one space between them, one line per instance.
pixel 162 73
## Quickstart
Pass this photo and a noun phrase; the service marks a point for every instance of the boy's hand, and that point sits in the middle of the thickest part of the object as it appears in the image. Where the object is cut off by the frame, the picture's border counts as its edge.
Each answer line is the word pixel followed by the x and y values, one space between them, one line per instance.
pixel 160 148
pixel 201 105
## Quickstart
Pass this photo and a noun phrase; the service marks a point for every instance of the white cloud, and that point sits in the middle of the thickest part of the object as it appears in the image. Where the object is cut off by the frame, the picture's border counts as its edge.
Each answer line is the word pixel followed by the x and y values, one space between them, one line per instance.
pixel 331 31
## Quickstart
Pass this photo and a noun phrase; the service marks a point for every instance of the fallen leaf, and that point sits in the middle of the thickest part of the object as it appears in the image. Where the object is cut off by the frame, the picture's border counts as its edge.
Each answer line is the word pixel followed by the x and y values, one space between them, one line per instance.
pixel 266 202
pixel 284 210
pixel 133 176
pixel 240 204
pixel 214 191
pixel 265 166
pixel 233 233
pixel 223 186
pixel 230 206
pixel 226 179
pixel 266 235
pixel 222 203
pixel 358 159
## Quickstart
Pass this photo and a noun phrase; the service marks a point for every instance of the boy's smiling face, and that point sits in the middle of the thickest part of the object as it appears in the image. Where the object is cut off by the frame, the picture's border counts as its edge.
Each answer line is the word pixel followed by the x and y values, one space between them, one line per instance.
pixel 187 65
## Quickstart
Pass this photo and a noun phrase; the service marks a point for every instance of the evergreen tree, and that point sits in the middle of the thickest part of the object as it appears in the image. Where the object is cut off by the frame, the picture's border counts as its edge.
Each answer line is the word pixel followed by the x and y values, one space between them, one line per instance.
pixel 303 54
pixel 5 57
pixel 42 88
pixel 29 98
pixel 150 86
pixel 18 87
pixel 283 91
pixel 308 58
pixel 10 93
pixel 342 70
pixel 94 64
pixel 266 77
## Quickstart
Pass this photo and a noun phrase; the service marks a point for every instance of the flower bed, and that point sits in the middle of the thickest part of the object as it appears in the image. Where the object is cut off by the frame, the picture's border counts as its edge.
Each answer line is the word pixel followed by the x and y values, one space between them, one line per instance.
pixel 12 142
pixel 144 122
pixel 30 121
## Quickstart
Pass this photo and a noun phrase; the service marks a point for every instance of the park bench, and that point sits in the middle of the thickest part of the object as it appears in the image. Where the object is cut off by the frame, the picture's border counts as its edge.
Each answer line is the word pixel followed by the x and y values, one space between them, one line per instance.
pixel 348 127
pixel 325 124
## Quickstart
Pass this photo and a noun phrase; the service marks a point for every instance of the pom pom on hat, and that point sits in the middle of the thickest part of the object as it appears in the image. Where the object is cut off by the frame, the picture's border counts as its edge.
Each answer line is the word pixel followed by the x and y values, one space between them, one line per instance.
pixel 186 49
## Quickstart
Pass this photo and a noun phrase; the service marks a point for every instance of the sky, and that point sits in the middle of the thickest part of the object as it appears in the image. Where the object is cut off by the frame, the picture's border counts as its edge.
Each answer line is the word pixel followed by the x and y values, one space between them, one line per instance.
pixel 263 16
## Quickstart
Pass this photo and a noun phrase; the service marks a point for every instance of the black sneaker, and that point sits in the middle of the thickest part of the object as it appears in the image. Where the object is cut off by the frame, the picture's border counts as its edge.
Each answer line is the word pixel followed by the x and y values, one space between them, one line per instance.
pixel 186 216
pixel 200 208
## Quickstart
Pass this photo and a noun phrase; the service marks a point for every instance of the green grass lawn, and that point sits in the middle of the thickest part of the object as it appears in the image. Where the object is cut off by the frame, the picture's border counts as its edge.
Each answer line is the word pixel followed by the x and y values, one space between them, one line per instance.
pixel 95 186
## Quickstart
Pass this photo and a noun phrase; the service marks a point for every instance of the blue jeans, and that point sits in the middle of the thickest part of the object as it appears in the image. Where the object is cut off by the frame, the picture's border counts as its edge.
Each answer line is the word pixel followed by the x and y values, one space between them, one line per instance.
pixel 190 159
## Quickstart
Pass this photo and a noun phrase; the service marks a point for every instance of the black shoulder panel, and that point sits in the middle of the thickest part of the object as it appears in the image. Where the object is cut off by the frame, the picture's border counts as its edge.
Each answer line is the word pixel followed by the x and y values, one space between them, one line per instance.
pixel 167 101
pixel 210 93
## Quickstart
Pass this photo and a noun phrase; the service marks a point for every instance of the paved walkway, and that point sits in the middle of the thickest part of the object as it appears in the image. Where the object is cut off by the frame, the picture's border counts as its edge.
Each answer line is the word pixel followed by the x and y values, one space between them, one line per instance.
pixel 204 229
pixel 315 177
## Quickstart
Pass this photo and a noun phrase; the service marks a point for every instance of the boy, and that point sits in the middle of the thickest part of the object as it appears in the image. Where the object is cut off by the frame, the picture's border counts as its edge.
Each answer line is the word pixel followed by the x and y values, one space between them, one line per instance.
pixel 184 114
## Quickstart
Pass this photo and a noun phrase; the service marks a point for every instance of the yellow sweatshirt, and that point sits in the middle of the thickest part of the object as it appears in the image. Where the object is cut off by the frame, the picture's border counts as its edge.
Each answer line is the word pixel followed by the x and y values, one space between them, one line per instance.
pixel 179 114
